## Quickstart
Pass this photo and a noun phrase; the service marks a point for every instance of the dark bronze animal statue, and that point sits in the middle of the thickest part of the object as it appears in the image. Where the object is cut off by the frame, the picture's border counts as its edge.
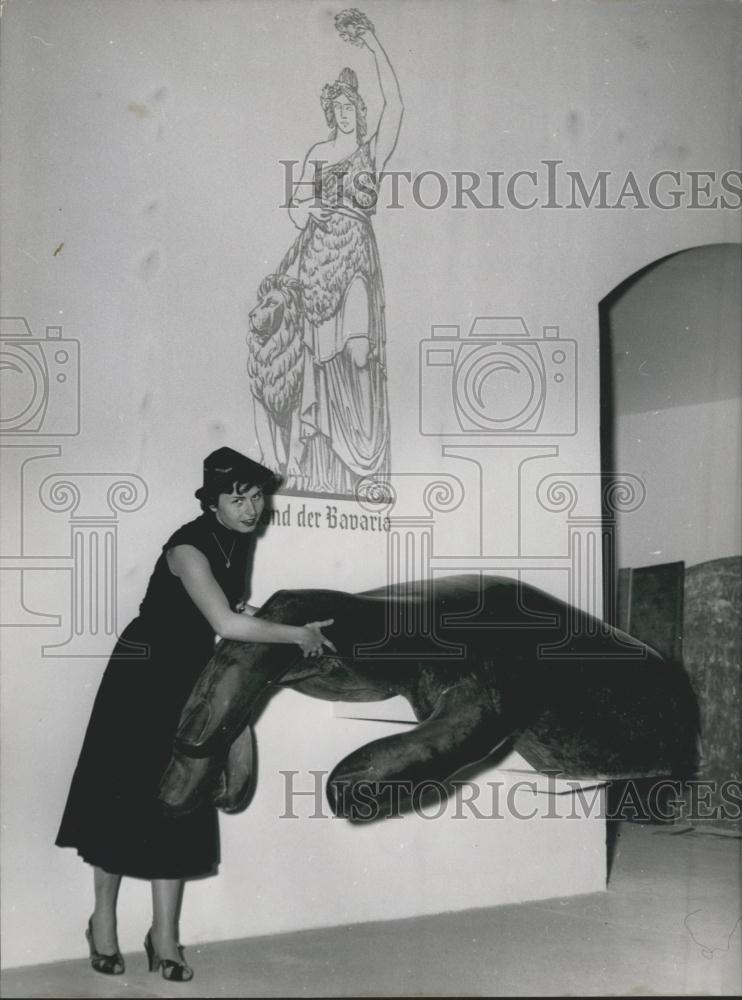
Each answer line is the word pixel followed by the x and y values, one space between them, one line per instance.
pixel 486 664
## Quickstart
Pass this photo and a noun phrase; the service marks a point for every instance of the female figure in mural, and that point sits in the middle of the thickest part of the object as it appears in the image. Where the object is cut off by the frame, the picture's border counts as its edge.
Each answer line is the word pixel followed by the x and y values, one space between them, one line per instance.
pixel 112 816
pixel 344 422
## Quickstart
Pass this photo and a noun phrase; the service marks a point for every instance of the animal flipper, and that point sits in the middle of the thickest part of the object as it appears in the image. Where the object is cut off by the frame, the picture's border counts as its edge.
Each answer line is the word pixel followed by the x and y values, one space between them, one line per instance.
pixel 229 783
pixel 225 695
pixel 237 782
pixel 384 777
pixel 187 783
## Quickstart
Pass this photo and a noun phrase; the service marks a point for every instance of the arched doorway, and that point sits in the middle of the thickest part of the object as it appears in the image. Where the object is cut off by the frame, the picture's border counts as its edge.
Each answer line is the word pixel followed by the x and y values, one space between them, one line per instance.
pixel 671 414
pixel 671 385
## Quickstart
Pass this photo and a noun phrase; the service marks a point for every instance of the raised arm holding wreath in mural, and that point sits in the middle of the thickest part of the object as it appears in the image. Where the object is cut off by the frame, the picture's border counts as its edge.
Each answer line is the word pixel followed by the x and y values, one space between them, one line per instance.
pixel 338 432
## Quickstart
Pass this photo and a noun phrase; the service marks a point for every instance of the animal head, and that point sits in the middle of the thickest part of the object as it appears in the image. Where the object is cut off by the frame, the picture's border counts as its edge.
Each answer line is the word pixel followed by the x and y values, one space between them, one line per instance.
pixel 275 347
pixel 279 297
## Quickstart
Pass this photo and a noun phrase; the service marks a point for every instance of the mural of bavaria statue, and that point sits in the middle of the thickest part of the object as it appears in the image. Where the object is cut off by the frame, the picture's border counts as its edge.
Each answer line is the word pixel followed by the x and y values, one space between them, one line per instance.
pixel 316 341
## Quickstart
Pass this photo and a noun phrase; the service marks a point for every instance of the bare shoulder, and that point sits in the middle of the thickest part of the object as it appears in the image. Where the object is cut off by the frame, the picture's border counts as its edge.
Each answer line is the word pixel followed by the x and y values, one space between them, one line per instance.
pixel 182 558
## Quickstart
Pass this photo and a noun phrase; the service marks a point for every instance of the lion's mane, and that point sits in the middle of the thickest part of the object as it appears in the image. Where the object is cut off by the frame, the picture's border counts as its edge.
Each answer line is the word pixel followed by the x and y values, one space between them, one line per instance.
pixel 275 364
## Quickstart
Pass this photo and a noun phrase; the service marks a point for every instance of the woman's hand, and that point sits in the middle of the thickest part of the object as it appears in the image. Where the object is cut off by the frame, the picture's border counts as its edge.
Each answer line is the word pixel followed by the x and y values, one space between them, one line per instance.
pixel 243 608
pixel 192 567
pixel 311 640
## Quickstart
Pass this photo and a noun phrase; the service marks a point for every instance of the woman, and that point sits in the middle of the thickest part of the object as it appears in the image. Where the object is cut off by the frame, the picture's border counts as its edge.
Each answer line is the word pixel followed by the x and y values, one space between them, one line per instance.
pixel 112 815
pixel 344 416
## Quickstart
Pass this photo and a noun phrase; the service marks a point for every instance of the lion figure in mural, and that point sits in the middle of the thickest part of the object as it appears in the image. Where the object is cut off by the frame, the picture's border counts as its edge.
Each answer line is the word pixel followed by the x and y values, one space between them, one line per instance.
pixel 275 366
pixel 485 663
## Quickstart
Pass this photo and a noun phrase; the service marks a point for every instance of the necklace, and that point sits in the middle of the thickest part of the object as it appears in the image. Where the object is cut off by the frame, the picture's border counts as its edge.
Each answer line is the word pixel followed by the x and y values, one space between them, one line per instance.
pixel 227 558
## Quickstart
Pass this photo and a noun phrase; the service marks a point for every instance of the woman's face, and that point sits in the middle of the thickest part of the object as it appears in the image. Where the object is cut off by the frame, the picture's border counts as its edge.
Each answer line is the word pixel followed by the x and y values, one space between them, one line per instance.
pixel 345 114
pixel 240 510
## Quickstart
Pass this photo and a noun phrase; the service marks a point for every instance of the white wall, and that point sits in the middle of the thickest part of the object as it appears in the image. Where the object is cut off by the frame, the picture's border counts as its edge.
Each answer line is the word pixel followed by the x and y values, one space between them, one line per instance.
pixel 688 458
pixel 146 140
pixel 677 395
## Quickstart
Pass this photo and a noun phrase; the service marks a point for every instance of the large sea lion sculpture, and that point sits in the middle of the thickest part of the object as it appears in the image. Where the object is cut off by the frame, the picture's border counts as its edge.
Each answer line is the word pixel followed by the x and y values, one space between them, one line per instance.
pixel 487 664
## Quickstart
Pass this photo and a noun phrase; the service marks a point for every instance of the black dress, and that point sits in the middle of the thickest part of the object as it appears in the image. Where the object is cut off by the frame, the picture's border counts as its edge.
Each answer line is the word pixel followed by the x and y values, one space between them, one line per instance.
pixel 112 815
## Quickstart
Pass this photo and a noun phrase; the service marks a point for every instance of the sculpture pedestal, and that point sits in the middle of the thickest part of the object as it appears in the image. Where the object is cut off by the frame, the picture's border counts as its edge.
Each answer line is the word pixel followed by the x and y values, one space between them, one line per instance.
pixel 507 836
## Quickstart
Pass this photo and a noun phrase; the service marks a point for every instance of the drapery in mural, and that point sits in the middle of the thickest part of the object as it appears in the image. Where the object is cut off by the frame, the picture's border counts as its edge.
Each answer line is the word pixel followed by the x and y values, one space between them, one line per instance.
pixel 317 340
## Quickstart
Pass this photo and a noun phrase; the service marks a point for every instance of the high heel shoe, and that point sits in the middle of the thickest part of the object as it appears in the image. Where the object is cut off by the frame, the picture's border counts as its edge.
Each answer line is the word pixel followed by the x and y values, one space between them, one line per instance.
pixel 108 965
pixel 174 972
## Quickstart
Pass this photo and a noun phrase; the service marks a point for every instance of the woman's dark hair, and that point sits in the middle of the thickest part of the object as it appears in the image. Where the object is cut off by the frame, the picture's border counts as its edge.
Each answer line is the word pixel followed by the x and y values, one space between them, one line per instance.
pixel 208 496
pixel 226 471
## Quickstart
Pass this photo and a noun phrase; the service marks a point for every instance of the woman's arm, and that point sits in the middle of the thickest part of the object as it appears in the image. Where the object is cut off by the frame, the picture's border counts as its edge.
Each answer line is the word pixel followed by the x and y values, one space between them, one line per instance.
pixel 192 568
pixel 304 202
pixel 390 121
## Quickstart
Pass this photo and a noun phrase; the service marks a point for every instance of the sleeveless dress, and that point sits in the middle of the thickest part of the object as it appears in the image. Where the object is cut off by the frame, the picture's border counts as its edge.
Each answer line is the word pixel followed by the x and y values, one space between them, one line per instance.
pixel 344 412
pixel 112 814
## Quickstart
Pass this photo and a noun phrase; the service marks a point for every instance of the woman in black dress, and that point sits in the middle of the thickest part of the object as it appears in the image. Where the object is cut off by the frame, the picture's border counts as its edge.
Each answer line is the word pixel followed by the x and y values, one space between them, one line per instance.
pixel 112 815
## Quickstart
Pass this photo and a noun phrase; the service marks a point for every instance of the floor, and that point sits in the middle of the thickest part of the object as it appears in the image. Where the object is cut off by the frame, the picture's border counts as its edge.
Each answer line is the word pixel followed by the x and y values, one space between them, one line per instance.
pixel 670 923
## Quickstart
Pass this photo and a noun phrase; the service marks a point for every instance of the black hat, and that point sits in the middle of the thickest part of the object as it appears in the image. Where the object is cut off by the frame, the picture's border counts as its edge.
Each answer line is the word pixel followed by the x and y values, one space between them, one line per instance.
pixel 225 467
